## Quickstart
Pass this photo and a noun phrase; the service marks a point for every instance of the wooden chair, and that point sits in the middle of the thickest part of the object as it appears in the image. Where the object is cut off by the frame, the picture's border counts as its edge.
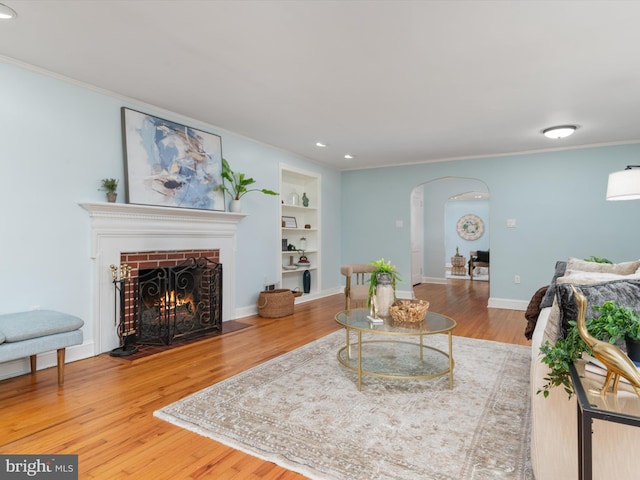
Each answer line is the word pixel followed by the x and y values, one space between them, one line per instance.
pixel 478 258
pixel 356 290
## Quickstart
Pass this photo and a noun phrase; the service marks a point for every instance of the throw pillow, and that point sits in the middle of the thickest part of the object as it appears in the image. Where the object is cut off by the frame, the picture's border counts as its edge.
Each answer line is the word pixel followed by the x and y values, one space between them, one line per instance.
pixel 547 300
pixel 625 293
pixel 625 268
pixel 585 278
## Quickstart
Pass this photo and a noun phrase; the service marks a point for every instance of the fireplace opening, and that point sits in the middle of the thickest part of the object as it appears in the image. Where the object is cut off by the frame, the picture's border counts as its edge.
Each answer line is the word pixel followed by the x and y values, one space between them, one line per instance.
pixel 178 303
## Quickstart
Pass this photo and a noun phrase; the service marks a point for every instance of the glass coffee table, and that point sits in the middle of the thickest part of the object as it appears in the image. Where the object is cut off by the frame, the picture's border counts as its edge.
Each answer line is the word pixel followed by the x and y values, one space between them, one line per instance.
pixel 395 350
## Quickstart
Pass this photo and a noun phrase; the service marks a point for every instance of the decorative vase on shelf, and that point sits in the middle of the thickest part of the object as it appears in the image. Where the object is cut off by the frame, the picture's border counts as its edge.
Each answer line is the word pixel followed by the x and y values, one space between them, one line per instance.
pixel 294 199
pixel 111 197
pixel 306 281
pixel 235 206
pixel 384 293
pixel 305 199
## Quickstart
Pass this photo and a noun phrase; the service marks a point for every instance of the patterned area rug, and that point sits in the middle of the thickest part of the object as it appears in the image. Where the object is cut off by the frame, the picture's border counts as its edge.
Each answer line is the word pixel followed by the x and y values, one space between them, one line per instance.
pixel 303 412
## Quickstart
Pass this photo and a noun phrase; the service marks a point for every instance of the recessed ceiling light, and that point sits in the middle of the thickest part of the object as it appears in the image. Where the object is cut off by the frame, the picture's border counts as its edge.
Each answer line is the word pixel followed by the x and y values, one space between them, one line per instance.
pixel 349 156
pixel 7 13
pixel 320 144
pixel 560 131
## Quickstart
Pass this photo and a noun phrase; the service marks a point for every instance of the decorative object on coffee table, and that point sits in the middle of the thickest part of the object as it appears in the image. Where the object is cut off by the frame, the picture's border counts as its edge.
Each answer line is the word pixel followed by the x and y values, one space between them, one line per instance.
pixel 385 276
pixel 409 311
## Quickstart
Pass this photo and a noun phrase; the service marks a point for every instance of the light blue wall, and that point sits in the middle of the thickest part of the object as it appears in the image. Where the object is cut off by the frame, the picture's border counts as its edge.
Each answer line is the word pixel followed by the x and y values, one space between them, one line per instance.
pixel 58 140
pixel 556 198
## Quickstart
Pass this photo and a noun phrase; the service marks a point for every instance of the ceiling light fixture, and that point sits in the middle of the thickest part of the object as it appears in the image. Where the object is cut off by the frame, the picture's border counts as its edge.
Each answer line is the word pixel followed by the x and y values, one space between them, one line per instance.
pixel 7 13
pixel 349 157
pixel 561 131
pixel 320 144
pixel 625 184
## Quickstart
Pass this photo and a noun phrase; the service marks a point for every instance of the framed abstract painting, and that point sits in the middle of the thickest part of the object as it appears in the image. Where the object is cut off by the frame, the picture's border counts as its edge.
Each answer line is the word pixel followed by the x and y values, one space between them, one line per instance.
pixel 169 164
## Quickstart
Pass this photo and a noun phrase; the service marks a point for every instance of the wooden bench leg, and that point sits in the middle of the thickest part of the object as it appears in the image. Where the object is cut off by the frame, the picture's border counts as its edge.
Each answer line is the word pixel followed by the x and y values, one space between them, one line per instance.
pixel 33 360
pixel 61 352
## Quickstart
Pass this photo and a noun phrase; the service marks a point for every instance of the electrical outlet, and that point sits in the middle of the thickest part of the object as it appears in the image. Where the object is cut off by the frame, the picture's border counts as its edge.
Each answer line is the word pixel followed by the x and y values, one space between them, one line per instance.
pixel 516 279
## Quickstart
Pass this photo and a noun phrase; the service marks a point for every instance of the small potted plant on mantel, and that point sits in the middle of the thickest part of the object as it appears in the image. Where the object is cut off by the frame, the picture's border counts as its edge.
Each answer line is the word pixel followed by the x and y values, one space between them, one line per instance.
pixel 110 185
pixel 237 188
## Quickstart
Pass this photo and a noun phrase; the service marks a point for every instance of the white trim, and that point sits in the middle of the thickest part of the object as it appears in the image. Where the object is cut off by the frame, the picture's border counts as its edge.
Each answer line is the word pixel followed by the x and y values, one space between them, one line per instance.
pixel 436 280
pixel 508 304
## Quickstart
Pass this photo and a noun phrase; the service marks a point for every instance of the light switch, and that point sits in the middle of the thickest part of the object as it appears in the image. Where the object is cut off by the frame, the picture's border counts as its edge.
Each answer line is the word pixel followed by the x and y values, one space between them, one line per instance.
pixel 399 224
pixel 511 223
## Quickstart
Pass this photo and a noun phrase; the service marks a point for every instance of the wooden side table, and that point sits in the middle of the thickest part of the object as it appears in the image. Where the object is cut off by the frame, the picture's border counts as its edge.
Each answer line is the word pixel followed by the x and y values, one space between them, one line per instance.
pixel 458 265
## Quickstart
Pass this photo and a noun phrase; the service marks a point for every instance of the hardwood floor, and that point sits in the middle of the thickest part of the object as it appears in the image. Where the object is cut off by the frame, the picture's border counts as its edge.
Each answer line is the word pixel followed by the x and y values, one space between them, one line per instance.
pixel 104 412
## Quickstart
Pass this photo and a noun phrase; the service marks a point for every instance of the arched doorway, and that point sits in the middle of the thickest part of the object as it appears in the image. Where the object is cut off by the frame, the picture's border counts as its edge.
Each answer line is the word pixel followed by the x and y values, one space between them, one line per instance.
pixel 429 249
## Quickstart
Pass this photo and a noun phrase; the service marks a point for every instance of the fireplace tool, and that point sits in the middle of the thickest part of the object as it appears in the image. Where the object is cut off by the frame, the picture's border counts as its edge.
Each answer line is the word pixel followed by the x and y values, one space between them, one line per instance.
pixel 126 332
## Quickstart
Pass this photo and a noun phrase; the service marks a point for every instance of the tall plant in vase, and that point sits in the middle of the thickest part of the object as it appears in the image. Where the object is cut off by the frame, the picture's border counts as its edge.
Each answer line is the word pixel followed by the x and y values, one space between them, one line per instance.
pixel 382 285
pixel 237 186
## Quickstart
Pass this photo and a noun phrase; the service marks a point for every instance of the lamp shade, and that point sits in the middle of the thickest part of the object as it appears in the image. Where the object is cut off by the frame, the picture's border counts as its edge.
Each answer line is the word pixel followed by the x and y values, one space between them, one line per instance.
pixel 624 185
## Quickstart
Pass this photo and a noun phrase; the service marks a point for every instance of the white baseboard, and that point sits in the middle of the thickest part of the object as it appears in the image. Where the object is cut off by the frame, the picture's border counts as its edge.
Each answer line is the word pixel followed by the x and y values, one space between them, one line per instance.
pixel 508 304
pixel 436 280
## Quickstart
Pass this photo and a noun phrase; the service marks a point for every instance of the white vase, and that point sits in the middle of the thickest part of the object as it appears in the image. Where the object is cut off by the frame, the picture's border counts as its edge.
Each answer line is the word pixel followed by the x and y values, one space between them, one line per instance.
pixel 235 206
pixel 384 298
pixel 385 294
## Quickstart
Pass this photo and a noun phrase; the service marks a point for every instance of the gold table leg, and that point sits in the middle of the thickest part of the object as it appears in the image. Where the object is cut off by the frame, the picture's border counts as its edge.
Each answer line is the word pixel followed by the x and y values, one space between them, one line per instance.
pixel 450 361
pixel 359 361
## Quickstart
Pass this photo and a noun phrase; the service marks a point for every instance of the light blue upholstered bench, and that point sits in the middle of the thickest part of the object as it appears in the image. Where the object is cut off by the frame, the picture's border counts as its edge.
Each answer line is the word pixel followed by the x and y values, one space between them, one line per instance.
pixel 26 334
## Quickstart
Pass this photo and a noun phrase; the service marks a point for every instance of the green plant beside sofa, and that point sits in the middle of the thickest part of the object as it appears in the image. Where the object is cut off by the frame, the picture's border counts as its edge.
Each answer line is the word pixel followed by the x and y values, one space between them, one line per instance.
pixel 614 323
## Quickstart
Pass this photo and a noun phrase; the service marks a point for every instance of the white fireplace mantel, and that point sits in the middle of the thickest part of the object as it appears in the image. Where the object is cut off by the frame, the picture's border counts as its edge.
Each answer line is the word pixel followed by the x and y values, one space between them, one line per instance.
pixel 119 227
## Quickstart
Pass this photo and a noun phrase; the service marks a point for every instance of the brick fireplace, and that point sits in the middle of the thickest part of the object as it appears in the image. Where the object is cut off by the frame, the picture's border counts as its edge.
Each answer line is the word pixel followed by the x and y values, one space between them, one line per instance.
pixel 147 237
pixel 169 296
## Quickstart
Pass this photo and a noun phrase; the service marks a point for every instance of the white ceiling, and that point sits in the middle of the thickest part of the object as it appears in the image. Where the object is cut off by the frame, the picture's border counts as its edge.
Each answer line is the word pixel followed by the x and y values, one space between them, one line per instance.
pixel 391 82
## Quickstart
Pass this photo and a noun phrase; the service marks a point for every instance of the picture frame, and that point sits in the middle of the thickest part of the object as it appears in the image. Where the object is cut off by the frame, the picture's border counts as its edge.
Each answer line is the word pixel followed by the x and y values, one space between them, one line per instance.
pixel 289 222
pixel 169 164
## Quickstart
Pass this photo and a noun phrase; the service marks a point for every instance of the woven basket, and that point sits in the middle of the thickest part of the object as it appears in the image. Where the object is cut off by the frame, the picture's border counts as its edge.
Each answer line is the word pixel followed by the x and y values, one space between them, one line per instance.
pixel 409 311
pixel 275 303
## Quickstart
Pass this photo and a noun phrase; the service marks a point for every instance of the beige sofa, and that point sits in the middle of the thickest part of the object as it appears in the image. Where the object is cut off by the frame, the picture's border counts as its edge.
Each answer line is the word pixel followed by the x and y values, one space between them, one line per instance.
pixel 554 419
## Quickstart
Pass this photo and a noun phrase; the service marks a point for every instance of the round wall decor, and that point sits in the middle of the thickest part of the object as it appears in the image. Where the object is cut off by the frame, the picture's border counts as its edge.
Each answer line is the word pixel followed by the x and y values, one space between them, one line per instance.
pixel 470 227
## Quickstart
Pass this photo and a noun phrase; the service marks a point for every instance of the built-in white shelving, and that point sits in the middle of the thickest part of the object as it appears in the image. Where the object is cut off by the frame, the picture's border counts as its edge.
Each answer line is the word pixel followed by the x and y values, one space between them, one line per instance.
pixel 294 184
